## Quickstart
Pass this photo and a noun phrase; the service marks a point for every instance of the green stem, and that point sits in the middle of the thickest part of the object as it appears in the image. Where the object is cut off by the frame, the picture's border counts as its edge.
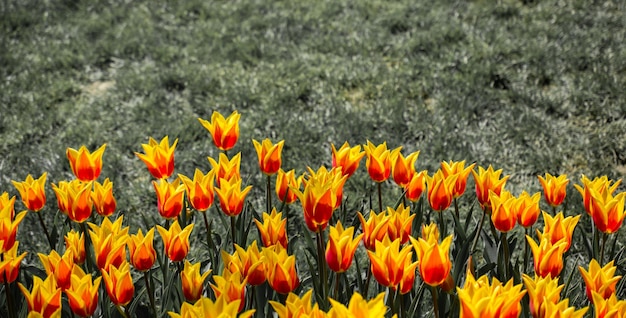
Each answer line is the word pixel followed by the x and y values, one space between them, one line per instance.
pixel 232 231
pixel 442 224
pixel 336 293
pixel 507 254
pixel 88 254
pixel 45 230
pixel 456 209
pixel 123 311
pixel 366 289
pixel 605 237
pixel 146 277
pixel 9 296
pixel 380 197
pixel 268 195
pixel 208 237
pixel 480 228
pixel 527 231
pixel 322 266
pixel 433 290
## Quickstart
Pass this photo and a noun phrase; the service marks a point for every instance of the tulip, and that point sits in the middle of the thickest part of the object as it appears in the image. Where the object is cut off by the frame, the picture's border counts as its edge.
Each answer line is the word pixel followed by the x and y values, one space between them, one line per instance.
pixel 231 286
pixel 285 182
pixel 378 161
pixel 32 192
pixel 8 228
pixel 430 233
pixel 226 168
pixel 488 180
pixel 359 307
pixel 176 240
pixel 249 263
pixel 102 197
pixel 158 157
pixel 600 185
pixel 479 298
pixel 554 188
pixel 192 281
pixel 44 299
pixel 273 230
pixel 503 213
pixel 542 290
pixel 109 242
pixel 82 294
pixel 341 247
pixel 558 228
pixel 457 168
pixel 170 197
pixel 74 199
pixel 270 155
pixel 321 196
pixel 562 310
pixel 281 269
pixel 374 229
pixel 600 280
pixel 207 308
pixel 416 186
pixel 86 166
pixel 141 250
pixel 389 262
pixel 347 158
pixel 119 284
pixel 608 307
pixel 294 306
pixel 75 242
pixel 59 267
pixel 527 208
pixel 403 169
pixel 400 223
pixel 441 190
pixel 547 257
pixel 225 131
pixel 10 264
pixel 434 259
pixel 8 203
pixel 200 190
pixel 607 211
pixel 232 196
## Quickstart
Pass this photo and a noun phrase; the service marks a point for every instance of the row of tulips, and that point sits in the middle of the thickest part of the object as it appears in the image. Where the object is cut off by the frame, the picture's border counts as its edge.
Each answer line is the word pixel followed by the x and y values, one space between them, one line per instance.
pixel 406 252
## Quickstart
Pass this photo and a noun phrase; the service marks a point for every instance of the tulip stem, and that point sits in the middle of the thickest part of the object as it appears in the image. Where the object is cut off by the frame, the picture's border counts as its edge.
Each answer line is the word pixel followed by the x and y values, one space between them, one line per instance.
pixel 232 231
pixel 507 254
pixel 322 265
pixel 88 253
pixel 336 294
pixel 9 297
pixel 433 290
pixel 456 209
pixel 380 197
pixel 480 228
pixel 268 195
pixel 528 231
pixel 147 278
pixel 208 237
pixel 123 311
pixel 45 230
pixel 605 237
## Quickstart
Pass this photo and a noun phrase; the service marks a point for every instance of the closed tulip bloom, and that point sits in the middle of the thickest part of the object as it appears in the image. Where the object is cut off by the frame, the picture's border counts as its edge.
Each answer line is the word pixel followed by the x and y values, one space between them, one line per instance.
pixel 109 242
pixel 320 198
pixel 341 247
pixel 270 155
pixel 601 280
pixel 358 307
pixel 225 168
pixel 563 310
pixel 170 197
pixel 10 264
pixel 295 306
pixel 60 267
pixel 158 157
pixel 285 182
pixel 554 188
pixel 441 191
pixel 231 196
pixel 200 190
pixel 119 284
pixel 281 269
pixel 32 192
pixel 558 228
pixel 457 168
pixel 85 165
pixel 192 281
pixel 8 203
pixel 479 298
pixel 417 185
pixel 542 290
pixel 273 230
pixel 434 260
pixel 74 199
pixel 141 250
pixel 347 158
pixel 176 240
pixel 430 233
pixel 75 242
pixel 374 229
pixel 8 227
pixel 44 299
pixel 503 214
pixel 378 161
pixel 599 184
pixel 403 169
pixel 400 223
pixel 232 286
pixel 527 208
pixel 225 131
pixel 102 197
pixel 547 257
pixel 250 263
pixel 607 211
pixel 207 308
pixel 389 262
pixel 488 179
pixel 608 307
pixel 82 294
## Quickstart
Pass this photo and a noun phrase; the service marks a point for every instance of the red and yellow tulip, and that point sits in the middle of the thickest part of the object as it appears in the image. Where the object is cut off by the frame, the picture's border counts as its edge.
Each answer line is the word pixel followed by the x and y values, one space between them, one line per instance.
pixel 542 290
pixel 434 259
pixel 378 161
pixel 170 197
pixel 527 208
pixel 82 294
pixel 8 227
pixel 347 158
pixel 554 188
pixel 281 269
pixel 176 240
pixel 59 267
pixel 488 179
pixel 200 189
pixel 75 242
pixel 158 157
pixel 273 230
pixel 32 192
pixel 119 284
pixel 400 223
pixel 341 247
pixel 403 169
pixel 390 263
pixel 416 186
pixel 600 280
pixel 503 214
pixel 10 264
pixel 225 168
pixel 547 257
pixel 141 250
pixel 249 263
pixel 441 190
pixel 85 165
pixel 285 182
pixel 74 199
pixel 192 281
pixel 270 155
pixel 225 131
pixel 231 196
pixel 44 300
pixel 102 197
pixel 374 229
pixel 457 168
pixel 231 286
pixel 558 228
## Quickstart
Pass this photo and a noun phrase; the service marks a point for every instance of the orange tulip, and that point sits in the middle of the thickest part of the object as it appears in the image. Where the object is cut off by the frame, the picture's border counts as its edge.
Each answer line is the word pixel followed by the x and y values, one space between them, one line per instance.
pixel 158 157
pixel 547 257
pixel 281 269
pixel 434 259
pixel 225 131
pixel 488 180
pixel 102 197
pixel 430 233
pixel 558 228
pixel 554 188
pixel 59 267
pixel 273 230
pixel 441 190
pixel 285 182
pixel 270 155
pixel 8 227
pixel 192 281
pixel 74 199
pixel 562 310
pixel 207 308
pixel 32 192
pixel 374 229
pixel 527 208
pixel 390 263
pixel 232 286
pixel 109 242
pixel 85 165
pixel 10 264
pixel 542 290
pixel 347 158
pixel 82 294
pixel 457 168
pixel 232 196
pixel 341 247
pixel 295 306
pixel 176 240
pixel 403 169
pixel 503 213
pixel 200 190
pixel 119 284
pixel 226 168
pixel 378 161
pixel 249 263
pixel 359 307
pixel 75 242
pixel 600 185
pixel 400 223
pixel 416 186
pixel 8 203
pixel 141 250
pixel 44 299
pixel 321 196
pixel 601 280
pixel 479 298
pixel 170 197
pixel 608 307
pixel 607 211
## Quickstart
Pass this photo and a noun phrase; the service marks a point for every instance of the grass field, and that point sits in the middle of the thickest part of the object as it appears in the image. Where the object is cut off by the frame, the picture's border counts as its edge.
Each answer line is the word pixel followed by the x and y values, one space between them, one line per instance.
pixel 526 86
